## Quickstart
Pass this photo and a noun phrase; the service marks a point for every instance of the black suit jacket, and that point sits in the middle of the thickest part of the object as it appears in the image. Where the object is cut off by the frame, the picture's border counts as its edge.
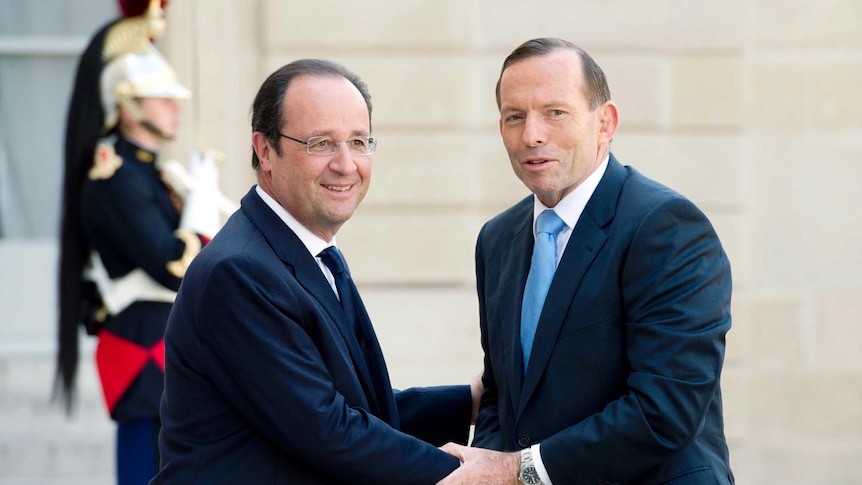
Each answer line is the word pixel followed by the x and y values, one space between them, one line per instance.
pixel 623 381
pixel 266 384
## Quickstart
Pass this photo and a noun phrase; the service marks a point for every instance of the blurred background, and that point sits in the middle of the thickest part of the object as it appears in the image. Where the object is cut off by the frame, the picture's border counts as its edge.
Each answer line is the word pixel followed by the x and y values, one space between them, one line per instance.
pixel 751 108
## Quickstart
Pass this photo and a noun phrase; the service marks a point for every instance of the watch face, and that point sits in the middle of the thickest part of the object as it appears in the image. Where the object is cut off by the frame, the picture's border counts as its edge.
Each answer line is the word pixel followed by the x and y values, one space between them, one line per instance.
pixel 530 476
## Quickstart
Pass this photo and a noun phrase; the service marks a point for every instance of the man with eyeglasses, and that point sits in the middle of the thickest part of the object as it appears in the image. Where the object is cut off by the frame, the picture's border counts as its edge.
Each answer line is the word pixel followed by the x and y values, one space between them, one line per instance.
pixel 273 371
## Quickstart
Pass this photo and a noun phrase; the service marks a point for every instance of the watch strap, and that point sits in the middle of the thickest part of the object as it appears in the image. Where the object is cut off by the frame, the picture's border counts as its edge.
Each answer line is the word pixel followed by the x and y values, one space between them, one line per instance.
pixel 528 474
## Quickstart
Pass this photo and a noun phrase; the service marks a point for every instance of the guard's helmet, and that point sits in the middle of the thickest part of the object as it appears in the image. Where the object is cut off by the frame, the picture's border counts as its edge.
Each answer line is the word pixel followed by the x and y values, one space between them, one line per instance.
pixel 132 68
pixel 137 75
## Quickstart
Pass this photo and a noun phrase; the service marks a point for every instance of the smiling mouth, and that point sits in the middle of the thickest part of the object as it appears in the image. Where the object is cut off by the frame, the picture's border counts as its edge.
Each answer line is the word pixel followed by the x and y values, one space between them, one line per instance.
pixel 535 162
pixel 337 188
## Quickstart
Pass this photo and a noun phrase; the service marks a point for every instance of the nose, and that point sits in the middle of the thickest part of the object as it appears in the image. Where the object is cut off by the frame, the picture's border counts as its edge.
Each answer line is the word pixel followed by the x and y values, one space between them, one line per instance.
pixel 342 160
pixel 534 131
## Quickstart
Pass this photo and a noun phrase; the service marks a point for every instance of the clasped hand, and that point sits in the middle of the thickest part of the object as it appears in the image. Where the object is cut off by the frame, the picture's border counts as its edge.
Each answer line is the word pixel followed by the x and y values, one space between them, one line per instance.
pixel 482 467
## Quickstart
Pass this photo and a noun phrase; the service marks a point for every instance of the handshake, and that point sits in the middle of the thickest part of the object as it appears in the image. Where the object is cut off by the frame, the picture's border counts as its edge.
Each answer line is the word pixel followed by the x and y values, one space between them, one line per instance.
pixel 483 467
pixel 480 466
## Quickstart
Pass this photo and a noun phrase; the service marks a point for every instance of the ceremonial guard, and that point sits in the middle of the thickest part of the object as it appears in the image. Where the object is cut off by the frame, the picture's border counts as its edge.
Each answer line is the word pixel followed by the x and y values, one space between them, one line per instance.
pixel 126 237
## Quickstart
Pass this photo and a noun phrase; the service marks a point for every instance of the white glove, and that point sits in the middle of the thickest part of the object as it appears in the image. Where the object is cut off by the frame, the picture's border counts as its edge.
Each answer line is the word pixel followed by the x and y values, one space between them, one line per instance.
pixel 201 211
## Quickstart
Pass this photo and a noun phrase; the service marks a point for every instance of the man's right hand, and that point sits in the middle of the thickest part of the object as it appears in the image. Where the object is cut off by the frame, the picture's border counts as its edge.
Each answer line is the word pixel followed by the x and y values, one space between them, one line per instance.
pixel 482 467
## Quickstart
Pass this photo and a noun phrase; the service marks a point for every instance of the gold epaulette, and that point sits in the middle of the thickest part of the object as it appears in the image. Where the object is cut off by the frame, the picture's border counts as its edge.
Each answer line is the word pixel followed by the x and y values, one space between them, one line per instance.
pixel 193 247
pixel 106 162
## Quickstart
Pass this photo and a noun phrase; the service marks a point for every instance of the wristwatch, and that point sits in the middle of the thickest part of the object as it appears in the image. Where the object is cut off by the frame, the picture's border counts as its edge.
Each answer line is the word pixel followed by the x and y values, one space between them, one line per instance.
pixel 528 474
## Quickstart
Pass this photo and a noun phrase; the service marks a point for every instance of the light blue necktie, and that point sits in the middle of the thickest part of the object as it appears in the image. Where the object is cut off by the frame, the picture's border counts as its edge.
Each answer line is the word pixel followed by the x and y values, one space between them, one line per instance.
pixel 542 268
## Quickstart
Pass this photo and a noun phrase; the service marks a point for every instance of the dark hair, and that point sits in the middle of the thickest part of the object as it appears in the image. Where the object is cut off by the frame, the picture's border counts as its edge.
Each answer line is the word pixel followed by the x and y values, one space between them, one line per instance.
pixel 267 115
pixel 596 87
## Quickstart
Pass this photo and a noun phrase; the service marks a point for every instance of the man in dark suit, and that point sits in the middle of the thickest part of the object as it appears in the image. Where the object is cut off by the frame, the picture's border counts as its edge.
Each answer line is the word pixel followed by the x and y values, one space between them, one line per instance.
pixel 273 371
pixel 609 373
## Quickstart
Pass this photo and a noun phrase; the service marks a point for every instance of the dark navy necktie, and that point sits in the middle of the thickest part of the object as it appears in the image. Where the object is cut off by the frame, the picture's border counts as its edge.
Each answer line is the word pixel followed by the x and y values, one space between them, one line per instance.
pixel 347 291
pixel 542 268
pixel 378 390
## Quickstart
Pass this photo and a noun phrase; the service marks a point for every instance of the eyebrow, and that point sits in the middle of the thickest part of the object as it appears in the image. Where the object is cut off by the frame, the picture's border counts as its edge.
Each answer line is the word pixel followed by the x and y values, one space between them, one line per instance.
pixel 353 133
pixel 552 105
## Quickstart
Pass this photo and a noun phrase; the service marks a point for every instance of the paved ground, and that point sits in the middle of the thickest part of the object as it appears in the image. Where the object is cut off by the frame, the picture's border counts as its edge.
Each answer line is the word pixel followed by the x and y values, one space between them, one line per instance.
pixel 39 444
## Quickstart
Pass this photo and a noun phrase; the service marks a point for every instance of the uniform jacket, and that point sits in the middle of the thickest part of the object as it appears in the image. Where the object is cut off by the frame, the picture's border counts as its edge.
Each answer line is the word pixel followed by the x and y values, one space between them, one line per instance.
pixel 623 382
pixel 131 223
pixel 266 384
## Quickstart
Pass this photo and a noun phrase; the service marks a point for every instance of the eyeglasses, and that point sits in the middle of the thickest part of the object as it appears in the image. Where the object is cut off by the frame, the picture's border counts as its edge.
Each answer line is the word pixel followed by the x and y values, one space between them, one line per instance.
pixel 326 145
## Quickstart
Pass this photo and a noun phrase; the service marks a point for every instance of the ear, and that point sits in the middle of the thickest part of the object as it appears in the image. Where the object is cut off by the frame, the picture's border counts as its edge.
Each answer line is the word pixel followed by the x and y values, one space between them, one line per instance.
pixel 127 117
pixel 609 121
pixel 263 150
pixel 130 108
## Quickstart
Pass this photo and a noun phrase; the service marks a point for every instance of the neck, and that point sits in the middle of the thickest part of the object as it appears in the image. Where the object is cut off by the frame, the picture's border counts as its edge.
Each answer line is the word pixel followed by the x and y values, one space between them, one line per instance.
pixel 143 138
pixel 603 151
pixel 322 231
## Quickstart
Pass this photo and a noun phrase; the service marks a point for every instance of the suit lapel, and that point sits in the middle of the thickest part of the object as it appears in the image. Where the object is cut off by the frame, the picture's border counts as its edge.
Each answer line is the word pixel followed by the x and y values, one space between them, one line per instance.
pixel 293 253
pixel 584 245
pixel 308 274
pixel 515 264
pixel 586 240
pixel 376 368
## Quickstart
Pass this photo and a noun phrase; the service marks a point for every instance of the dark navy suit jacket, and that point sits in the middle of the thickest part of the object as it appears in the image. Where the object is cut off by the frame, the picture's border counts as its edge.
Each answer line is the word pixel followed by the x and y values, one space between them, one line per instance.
pixel 266 384
pixel 623 381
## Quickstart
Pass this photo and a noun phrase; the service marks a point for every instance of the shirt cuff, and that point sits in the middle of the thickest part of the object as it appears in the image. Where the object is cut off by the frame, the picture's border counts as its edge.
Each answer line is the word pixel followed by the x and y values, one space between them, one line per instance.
pixel 539 464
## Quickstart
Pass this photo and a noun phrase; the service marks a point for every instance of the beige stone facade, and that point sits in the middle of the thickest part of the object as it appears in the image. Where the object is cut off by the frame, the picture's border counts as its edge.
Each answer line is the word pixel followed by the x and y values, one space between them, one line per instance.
pixel 751 108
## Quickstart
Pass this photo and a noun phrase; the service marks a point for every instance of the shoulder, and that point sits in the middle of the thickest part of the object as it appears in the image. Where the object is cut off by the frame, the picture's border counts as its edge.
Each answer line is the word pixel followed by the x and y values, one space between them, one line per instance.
pixel 106 161
pixel 116 174
pixel 238 248
pixel 624 184
pixel 642 197
pixel 654 218
pixel 631 205
pixel 237 240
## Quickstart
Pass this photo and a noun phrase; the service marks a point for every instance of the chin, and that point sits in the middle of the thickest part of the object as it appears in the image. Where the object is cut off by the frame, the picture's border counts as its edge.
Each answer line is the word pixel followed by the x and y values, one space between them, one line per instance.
pixel 537 184
pixel 339 217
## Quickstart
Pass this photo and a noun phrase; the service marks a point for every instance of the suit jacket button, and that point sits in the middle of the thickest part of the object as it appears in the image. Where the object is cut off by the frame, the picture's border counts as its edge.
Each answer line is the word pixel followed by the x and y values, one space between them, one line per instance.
pixel 524 441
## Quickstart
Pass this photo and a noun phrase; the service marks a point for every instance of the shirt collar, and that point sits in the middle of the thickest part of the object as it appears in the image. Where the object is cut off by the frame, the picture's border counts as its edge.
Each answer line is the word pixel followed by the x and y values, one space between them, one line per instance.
pixel 312 242
pixel 572 205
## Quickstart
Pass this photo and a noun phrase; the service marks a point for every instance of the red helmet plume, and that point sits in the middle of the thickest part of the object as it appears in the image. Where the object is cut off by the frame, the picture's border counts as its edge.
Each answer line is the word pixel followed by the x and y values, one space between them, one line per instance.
pixel 134 8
